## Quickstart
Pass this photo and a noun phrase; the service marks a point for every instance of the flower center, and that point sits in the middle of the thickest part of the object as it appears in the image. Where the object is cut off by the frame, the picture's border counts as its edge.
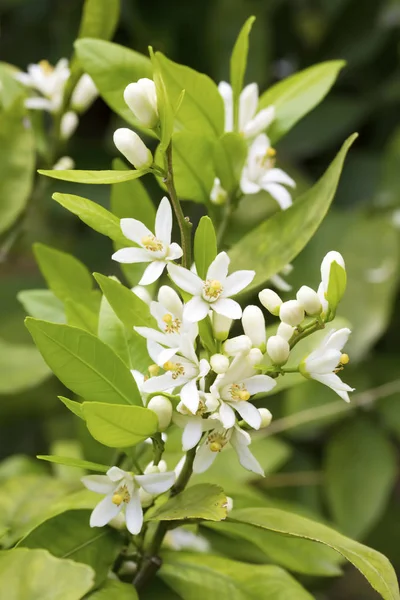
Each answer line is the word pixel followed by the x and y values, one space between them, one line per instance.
pixel 121 495
pixel 267 161
pixel 153 370
pixel 212 289
pixel 151 243
pixel 239 392
pixel 176 369
pixel 171 325
pixel 344 359
pixel 217 441
pixel 46 67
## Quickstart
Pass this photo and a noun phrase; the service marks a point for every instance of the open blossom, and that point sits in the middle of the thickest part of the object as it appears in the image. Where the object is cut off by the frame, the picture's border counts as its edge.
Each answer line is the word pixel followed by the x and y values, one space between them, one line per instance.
pixel 154 249
pixel 122 491
pixel 260 173
pixel 49 81
pixel 214 292
pixel 324 363
pixel 250 122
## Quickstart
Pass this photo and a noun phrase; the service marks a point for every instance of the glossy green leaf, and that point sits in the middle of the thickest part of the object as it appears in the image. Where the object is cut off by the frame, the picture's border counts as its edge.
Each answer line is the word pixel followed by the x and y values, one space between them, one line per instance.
pixel 44 576
pixel 274 243
pixel 17 161
pixel 21 367
pixel 207 335
pixel 80 315
pixel 119 426
pixel 83 363
pixel 336 285
pixel 194 576
pixel 131 199
pixel 112 67
pixel 99 19
pixel 114 590
pixel 205 246
pixel 164 103
pixel 95 177
pixel 69 535
pixel 42 304
pixel 360 472
pixel 239 63
pixel 201 501
pixel 74 462
pixel 298 94
pixel 374 566
pixel 230 153
pixel 73 406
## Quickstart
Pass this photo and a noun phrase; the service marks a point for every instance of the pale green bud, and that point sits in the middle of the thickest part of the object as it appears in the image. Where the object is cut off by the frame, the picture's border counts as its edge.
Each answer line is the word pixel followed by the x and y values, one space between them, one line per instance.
pixel 270 300
pixel 163 409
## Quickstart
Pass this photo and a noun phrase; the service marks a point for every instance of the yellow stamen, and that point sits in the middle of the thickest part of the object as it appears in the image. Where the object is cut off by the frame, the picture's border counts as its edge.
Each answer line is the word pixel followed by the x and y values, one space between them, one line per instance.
pixel 215 446
pixel 150 242
pixel 153 370
pixel 167 319
pixel 172 325
pixel 117 499
pixel 244 395
pixel 46 67
pixel 344 359
pixel 213 288
pixel 239 392
pixel 176 368
pixel 121 495
pixel 216 441
pixel 271 152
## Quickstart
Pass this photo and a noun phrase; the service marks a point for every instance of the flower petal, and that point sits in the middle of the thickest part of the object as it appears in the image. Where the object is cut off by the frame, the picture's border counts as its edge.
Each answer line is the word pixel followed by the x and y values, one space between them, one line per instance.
pixel 174 251
pixel 278 176
pixel 152 272
pixel 163 225
pixel 259 383
pixel 279 193
pixel 249 413
pixel 190 396
pixel 134 514
pixel 227 415
pixel 158 384
pixel 131 255
pixel 260 122
pixel 322 361
pixel 185 279
pixel 236 282
pixel 192 433
pixel 227 307
pixel 219 267
pixel 204 459
pixel 152 334
pixel 134 230
pixel 247 185
pixel 195 310
pixel 104 512
pixel 337 339
pixel 246 459
pixel 248 102
pixel 336 384
pixel 100 484
pixel 156 483
pixel 225 91
pixel 37 103
pixel 169 299
pixel 116 474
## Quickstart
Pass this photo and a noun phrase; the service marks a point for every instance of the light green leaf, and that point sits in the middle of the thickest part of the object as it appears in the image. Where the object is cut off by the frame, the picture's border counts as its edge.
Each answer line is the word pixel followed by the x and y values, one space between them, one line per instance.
pixel 164 105
pixel 112 67
pixel 69 535
pixel 42 304
pixel 201 501
pixel 336 285
pixel 298 94
pixel 83 363
pixel 202 109
pixel 119 426
pixel 205 246
pixel 360 471
pixel 74 462
pixel 17 161
pixel 11 89
pixel 194 576
pixel 239 63
pixel 115 590
pixel 73 406
pixel 99 19
pixel 21 367
pixel 207 335
pixel 80 315
pixel 95 177
pixel 230 153
pixel 32 574
pixel 274 243
pixel 374 566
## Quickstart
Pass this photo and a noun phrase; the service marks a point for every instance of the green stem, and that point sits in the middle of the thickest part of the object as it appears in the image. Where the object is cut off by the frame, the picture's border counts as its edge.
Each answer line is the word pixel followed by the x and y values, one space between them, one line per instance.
pixel 224 223
pixel 312 328
pixel 158 448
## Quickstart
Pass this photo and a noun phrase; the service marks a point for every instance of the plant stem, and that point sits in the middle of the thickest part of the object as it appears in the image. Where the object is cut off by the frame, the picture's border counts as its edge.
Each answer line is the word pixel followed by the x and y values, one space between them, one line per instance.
pixel 312 328
pixel 185 225
pixel 224 223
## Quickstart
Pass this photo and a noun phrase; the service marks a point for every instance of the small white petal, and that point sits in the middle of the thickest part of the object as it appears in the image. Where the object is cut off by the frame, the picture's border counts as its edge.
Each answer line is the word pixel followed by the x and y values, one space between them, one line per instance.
pixel 259 383
pixel 279 193
pixel 227 308
pixel 131 255
pixel 156 483
pixel 247 460
pixel 158 384
pixel 247 185
pixel 174 251
pixel 104 512
pixel 218 269
pixel 116 474
pixel 100 484
pixel 190 396
pixel 163 226
pixel 134 514
pixel 260 122
pixel 226 415
pixel 236 282
pixel 248 102
pixel 152 272
pixel 168 297
pixel 225 91
pixel 185 279
pixel 329 258
pixel 249 413
pixel 278 176
pixel 195 310
pixel 38 104
pixel 204 459
pixel 337 339
pixel 134 230
pixel 191 434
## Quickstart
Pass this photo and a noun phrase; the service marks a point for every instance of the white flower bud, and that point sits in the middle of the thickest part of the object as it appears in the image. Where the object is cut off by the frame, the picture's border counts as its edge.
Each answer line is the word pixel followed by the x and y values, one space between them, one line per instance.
pixel 254 326
pixel 270 300
pixel 285 331
pixel 133 148
pixel 266 417
pixel 141 97
pixel 218 195
pixel 152 468
pixel 309 300
pixel 142 293
pixel 219 363
pixel 229 504
pixel 291 312
pixel 334 280
pixel 278 349
pixel 255 356
pixel 84 94
pixel 221 326
pixel 237 345
pixel 168 297
pixel 68 125
pixel 65 163
pixel 163 409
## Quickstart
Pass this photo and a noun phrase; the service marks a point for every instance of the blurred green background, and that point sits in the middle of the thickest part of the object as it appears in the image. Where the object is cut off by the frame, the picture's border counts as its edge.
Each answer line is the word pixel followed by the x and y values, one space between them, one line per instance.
pixel 333 467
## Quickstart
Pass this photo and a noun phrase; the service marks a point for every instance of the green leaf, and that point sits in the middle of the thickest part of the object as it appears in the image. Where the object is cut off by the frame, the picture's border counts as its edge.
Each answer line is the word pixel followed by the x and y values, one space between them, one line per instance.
pixel 205 246
pixel 336 285
pixel 374 566
pixel 73 406
pixel 115 590
pixel 95 177
pixel 207 335
pixel 202 108
pixel 80 315
pixel 274 243
pixel 131 199
pixel 112 67
pixel 298 94
pixel 74 462
pixel 21 367
pixel 11 89
pixel 17 161
pixel 42 304
pixel 119 426
pixel 164 104
pixel 83 363
pixel 69 535
pixel 230 153
pixel 44 576
pixel 360 472
pixel 239 63
pixel 99 19
pixel 194 576
pixel 201 501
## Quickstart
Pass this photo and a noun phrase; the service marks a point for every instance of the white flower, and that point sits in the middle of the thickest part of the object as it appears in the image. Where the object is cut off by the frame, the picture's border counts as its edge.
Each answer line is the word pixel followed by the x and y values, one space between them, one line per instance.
pixel 163 409
pixel 309 300
pixel 214 292
pixel 251 122
pixel 278 349
pixel 155 249
pixel 193 425
pixel 270 300
pixel 291 312
pixel 141 97
pixel 241 344
pixel 121 491
pixel 65 163
pixel 254 326
pixel 326 264
pixel 219 363
pixel 49 81
pixel 133 148
pixel 68 125
pixel 218 195
pixel 84 94
pixel 259 173
pixel 324 362
pixel 334 279
pixel 266 417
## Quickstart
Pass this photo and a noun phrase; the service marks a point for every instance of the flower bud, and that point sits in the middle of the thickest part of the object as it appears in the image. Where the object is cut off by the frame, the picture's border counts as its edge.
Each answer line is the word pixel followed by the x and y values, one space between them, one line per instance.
pixel 84 94
pixel 132 147
pixel 266 417
pixel 334 279
pixel 152 468
pixel 237 345
pixel 309 300
pixel 142 293
pixel 229 504
pixel 291 312
pixel 65 163
pixel 168 297
pixel 285 331
pixel 270 300
pixel 255 356
pixel 141 97
pixel 221 326
pixel 254 326
pixel 218 195
pixel 163 409
pixel 69 122
pixel 278 349
pixel 219 363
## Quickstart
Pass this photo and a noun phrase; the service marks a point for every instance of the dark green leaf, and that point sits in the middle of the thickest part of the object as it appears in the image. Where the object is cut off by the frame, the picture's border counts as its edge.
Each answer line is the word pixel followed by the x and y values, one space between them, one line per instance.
pixel 99 19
